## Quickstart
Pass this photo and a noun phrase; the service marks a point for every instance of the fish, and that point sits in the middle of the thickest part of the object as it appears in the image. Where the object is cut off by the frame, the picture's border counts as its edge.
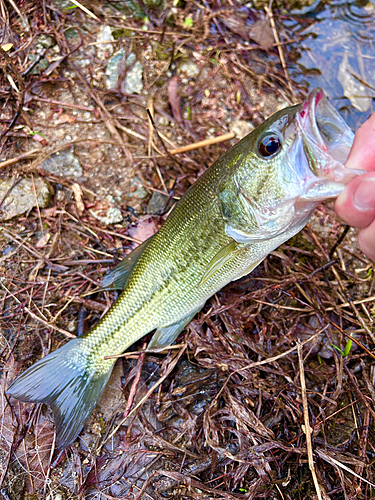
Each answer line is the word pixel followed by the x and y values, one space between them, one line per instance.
pixel 256 196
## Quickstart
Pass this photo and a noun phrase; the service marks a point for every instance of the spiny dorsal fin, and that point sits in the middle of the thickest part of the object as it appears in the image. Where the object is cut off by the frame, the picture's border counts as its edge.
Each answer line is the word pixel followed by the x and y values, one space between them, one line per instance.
pixel 116 278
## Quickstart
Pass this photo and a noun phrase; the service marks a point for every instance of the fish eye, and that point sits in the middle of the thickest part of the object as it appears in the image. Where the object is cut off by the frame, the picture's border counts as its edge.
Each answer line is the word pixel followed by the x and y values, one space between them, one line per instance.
pixel 269 145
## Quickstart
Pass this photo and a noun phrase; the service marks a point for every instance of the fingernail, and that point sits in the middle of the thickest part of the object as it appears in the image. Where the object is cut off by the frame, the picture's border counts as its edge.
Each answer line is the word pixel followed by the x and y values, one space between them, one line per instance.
pixel 364 196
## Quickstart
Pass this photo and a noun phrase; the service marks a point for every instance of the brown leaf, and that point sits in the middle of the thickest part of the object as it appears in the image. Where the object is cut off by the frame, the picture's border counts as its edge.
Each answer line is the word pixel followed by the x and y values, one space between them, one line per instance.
pixel 8 426
pixel 261 33
pixel 78 196
pixel 42 242
pixel 65 118
pixel 174 98
pixel 143 230
pixel 236 25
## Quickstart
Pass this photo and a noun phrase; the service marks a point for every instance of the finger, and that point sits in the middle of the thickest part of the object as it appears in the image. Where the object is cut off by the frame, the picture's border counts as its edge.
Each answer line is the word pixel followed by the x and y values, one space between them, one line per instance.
pixel 362 154
pixel 356 204
pixel 366 240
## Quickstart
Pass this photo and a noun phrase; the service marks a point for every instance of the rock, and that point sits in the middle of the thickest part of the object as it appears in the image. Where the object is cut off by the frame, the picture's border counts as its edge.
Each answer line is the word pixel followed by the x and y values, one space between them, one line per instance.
pixel 132 83
pixel 63 163
pixel 156 205
pixel 22 197
pixel 112 70
pixel 188 68
pixel 241 128
pixel 133 79
pixel 106 211
pixel 104 40
pixel 137 190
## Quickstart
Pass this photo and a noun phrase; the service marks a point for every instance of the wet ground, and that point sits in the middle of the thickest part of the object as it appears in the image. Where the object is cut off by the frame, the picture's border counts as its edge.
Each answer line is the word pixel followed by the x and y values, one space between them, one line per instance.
pixel 85 177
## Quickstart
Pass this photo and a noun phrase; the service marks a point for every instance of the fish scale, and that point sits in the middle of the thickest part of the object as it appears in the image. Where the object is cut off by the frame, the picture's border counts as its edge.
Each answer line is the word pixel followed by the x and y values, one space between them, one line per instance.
pixel 244 206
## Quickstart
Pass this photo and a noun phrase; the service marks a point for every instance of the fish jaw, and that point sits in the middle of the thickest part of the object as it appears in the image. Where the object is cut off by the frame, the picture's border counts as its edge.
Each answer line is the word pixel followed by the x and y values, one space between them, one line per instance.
pixel 327 141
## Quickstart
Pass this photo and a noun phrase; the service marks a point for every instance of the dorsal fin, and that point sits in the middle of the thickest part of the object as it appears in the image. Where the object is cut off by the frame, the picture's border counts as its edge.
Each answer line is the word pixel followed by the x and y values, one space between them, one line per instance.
pixel 116 278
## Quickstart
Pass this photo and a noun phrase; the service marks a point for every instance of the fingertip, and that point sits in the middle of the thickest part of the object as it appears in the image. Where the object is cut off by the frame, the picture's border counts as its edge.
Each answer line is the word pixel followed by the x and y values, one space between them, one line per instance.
pixel 366 241
pixel 356 204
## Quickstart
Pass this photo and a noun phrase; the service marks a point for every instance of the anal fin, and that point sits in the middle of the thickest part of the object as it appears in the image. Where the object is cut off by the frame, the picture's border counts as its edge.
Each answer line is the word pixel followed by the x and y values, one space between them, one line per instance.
pixel 251 268
pixel 168 334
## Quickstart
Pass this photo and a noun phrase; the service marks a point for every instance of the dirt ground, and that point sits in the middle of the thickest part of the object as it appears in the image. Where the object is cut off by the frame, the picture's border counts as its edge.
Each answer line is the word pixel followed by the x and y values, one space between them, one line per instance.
pixel 85 177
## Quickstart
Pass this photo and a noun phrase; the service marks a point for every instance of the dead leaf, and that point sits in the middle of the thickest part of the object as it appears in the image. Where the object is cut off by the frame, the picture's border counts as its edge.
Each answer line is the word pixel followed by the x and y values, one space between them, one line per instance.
pixel 39 138
pixel 65 118
pixel 174 98
pixel 7 46
pixel 236 25
pixel 42 242
pixel 143 230
pixel 261 33
pixel 78 196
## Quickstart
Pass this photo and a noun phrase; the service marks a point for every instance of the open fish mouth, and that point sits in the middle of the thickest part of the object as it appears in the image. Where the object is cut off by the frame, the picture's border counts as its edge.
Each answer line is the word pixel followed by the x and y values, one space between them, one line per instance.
pixel 327 138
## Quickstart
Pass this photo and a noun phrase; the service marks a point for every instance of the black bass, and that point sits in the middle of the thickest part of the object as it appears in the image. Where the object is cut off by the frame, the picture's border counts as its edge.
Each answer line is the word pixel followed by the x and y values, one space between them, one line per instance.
pixel 256 196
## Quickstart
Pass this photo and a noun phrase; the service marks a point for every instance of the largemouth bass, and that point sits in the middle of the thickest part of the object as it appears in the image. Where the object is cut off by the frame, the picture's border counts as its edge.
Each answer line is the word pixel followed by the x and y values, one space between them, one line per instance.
pixel 256 196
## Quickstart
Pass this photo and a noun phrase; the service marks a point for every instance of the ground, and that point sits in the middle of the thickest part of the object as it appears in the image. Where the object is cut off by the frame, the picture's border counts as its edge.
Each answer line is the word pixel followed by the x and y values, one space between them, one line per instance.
pixel 85 177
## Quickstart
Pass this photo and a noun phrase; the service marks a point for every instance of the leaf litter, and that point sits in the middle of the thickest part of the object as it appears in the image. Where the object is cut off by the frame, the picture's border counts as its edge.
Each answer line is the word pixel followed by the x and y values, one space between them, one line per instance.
pixel 222 414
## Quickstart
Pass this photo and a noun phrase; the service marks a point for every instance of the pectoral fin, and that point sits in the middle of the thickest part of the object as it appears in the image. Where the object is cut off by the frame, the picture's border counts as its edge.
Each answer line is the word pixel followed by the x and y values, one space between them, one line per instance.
pixel 116 278
pixel 167 335
pixel 220 259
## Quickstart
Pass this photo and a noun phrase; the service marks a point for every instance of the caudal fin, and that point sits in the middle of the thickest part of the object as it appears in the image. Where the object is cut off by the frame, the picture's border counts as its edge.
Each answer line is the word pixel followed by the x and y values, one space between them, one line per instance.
pixel 64 381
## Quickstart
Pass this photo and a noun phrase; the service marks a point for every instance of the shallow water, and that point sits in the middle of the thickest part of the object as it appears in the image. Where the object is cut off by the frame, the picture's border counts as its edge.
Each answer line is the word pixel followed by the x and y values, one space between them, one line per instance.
pixel 338 54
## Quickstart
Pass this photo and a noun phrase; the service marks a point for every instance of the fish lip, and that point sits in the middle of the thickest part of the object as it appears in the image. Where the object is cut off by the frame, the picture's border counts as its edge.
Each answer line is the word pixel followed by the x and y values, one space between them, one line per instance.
pixel 307 117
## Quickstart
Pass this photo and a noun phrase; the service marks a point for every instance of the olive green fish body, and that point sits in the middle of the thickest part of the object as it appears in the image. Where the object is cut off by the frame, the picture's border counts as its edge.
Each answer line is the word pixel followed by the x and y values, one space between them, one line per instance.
pixel 256 196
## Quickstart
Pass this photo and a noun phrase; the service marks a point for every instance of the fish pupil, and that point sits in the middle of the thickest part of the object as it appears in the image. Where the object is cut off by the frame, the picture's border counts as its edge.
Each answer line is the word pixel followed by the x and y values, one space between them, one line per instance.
pixel 269 145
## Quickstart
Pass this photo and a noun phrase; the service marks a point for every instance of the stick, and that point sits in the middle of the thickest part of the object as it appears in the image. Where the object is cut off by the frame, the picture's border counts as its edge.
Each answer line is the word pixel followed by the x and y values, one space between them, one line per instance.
pixel 307 422
pixel 202 144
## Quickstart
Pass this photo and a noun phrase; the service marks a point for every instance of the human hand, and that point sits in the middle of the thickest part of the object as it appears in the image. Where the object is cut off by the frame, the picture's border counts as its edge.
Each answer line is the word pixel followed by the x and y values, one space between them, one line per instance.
pixel 356 204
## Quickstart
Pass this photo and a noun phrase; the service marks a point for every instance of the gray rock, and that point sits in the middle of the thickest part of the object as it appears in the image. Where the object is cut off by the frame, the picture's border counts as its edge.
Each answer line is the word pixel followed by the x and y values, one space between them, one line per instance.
pixel 108 213
pixel 23 197
pixel 112 70
pixel 63 163
pixel 104 40
pixel 133 80
pixel 156 205
pixel 189 68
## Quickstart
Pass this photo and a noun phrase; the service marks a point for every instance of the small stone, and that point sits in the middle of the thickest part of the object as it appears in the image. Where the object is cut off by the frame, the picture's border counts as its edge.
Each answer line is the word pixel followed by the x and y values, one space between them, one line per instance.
pixel 137 190
pixel 189 68
pixel 104 39
pixel 107 212
pixel 46 41
pixel 23 197
pixel 112 69
pixel 63 163
pixel 241 128
pixel 156 205
pixel 133 79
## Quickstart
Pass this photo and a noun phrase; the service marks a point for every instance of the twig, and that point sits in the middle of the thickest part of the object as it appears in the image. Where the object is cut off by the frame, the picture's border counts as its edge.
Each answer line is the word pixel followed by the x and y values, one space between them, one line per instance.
pixel 279 48
pixel 147 395
pixel 24 156
pixel 84 9
pixel 202 144
pixel 335 462
pixel 37 318
pixel 307 422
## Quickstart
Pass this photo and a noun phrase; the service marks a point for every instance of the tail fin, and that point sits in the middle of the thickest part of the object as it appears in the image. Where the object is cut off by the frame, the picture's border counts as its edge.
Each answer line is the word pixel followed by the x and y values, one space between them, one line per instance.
pixel 64 381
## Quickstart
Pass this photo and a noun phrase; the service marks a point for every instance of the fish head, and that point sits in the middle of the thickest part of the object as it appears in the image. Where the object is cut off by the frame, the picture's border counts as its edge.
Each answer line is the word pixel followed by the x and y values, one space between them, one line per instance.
pixel 283 169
